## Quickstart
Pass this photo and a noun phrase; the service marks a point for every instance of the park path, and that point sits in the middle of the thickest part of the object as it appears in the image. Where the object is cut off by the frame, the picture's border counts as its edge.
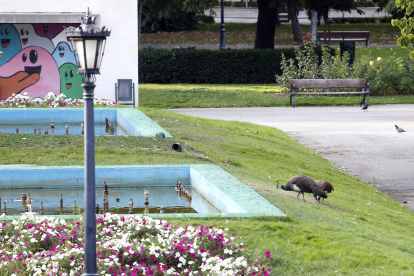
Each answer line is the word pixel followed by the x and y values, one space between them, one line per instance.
pixel 364 144
pixel 249 15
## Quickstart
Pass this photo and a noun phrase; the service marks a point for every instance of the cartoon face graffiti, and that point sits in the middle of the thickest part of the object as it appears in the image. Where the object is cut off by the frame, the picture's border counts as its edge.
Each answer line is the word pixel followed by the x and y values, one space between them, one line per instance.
pixel 70 81
pixel 50 30
pixel 9 43
pixel 32 70
pixel 29 38
pixel 63 54
pixel 61 37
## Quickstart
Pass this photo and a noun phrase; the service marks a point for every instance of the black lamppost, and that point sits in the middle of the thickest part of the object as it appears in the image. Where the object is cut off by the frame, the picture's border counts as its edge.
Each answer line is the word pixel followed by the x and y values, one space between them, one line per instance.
pixel 222 28
pixel 89 43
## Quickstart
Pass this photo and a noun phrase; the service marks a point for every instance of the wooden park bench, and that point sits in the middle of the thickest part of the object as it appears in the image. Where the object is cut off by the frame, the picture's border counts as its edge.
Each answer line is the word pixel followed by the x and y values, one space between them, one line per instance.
pixel 344 36
pixel 327 84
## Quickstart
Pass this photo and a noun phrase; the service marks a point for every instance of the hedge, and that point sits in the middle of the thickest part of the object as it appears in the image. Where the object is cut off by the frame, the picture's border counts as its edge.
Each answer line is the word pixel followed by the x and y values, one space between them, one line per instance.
pixel 360 20
pixel 190 65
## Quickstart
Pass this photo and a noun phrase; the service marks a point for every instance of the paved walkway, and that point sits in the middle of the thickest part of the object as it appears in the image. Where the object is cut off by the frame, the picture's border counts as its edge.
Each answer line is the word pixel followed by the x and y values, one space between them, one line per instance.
pixel 364 144
pixel 211 46
pixel 249 15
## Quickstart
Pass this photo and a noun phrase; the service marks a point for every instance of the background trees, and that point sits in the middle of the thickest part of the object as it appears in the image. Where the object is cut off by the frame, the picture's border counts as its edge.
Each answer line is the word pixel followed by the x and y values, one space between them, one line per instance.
pixel 154 13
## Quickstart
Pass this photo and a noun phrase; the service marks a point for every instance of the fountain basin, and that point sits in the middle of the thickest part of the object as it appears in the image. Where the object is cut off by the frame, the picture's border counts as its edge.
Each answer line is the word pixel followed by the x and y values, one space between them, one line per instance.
pixel 132 120
pixel 226 193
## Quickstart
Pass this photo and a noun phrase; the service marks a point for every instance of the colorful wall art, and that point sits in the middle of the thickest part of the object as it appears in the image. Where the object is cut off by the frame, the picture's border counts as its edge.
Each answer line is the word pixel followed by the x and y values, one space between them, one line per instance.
pixel 37 59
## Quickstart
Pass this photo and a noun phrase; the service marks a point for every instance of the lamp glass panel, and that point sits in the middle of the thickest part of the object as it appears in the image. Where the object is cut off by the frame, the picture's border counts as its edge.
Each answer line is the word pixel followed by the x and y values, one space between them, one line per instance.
pixel 80 53
pixel 100 54
pixel 90 48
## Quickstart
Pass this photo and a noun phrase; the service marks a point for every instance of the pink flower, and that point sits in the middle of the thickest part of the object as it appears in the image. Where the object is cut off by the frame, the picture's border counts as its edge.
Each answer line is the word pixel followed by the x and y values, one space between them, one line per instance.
pixel 267 254
pixel 304 38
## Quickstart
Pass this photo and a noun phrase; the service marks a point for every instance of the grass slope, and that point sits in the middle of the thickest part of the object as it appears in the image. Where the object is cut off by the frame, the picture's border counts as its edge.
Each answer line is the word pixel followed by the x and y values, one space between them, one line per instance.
pixel 358 231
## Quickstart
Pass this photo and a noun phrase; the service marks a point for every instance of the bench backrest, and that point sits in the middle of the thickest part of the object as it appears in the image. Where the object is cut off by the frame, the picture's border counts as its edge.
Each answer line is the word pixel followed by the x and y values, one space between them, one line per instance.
pixel 345 34
pixel 327 83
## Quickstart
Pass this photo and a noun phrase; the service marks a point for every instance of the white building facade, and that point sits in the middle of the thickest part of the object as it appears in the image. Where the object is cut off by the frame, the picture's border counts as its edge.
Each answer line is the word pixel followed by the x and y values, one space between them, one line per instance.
pixel 35 56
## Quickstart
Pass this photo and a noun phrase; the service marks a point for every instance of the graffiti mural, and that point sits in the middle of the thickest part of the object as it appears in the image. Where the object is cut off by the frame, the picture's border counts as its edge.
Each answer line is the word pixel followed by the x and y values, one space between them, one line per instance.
pixel 10 43
pixel 70 81
pixel 37 59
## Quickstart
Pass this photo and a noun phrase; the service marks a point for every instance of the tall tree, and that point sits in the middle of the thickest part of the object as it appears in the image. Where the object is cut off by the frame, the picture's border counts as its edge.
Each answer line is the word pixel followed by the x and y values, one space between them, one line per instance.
pixel 266 24
pixel 293 9
pixel 323 7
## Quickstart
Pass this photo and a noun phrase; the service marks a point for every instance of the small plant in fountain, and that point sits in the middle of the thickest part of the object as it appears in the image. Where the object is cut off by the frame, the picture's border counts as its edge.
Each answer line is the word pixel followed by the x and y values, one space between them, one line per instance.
pixel 125 246
pixel 50 100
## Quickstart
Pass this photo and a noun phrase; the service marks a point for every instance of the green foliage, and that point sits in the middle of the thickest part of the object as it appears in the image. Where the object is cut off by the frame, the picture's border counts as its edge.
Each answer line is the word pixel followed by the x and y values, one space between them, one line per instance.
pixel 308 64
pixel 175 20
pixel 390 76
pixel 206 66
pixel 405 24
pixel 396 12
pixel 387 76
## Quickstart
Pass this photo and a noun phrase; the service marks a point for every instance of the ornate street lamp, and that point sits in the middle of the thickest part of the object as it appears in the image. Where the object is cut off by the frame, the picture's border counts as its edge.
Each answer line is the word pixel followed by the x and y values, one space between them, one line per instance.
pixel 222 28
pixel 89 43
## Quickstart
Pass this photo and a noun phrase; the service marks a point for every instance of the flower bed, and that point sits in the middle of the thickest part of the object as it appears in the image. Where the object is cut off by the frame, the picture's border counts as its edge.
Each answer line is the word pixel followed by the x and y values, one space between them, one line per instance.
pixel 50 100
pixel 130 245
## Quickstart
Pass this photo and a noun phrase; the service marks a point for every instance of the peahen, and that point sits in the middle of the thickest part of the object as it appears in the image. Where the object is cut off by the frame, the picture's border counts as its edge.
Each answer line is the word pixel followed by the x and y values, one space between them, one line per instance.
pixel 326 186
pixel 303 184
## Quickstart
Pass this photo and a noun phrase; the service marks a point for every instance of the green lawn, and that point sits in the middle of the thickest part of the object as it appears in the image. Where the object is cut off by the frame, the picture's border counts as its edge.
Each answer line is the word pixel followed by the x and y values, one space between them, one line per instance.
pixel 358 231
pixel 241 95
pixel 245 34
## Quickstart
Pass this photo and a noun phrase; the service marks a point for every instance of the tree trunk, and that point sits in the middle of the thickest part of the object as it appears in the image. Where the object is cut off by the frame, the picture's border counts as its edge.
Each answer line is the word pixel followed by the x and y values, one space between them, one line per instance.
pixel 297 31
pixel 266 25
pixel 326 31
pixel 314 26
pixel 140 4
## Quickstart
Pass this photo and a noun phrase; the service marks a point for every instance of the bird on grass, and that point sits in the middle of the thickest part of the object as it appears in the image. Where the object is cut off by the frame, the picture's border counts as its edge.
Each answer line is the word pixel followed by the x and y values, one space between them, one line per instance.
pixel 324 185
pixel 399 129
pixel 362 102
pixel 303 184
pixel 365 107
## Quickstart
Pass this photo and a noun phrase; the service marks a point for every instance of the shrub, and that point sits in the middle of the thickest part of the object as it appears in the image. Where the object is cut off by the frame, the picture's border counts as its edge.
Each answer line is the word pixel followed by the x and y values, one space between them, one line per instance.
pixel 309 64
pixel 391 76
pixel 190 65
pixel 359 20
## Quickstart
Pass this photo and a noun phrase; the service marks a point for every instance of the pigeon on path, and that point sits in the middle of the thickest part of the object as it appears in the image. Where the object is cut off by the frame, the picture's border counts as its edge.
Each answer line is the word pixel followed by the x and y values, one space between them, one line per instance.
pixel 365 107
pixel 399 129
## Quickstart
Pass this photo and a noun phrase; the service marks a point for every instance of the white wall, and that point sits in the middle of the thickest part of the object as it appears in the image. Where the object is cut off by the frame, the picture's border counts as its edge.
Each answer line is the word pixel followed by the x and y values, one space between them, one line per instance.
pixel 121 54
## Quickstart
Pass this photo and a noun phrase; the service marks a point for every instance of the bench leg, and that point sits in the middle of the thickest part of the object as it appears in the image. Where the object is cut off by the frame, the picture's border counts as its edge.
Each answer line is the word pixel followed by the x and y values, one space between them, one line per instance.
pixel 293 100
pixel 367 99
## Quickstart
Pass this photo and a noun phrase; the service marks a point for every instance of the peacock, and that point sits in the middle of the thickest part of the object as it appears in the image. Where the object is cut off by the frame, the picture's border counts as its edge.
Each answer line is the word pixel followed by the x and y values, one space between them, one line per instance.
pixel 326 186
pixel 303 184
